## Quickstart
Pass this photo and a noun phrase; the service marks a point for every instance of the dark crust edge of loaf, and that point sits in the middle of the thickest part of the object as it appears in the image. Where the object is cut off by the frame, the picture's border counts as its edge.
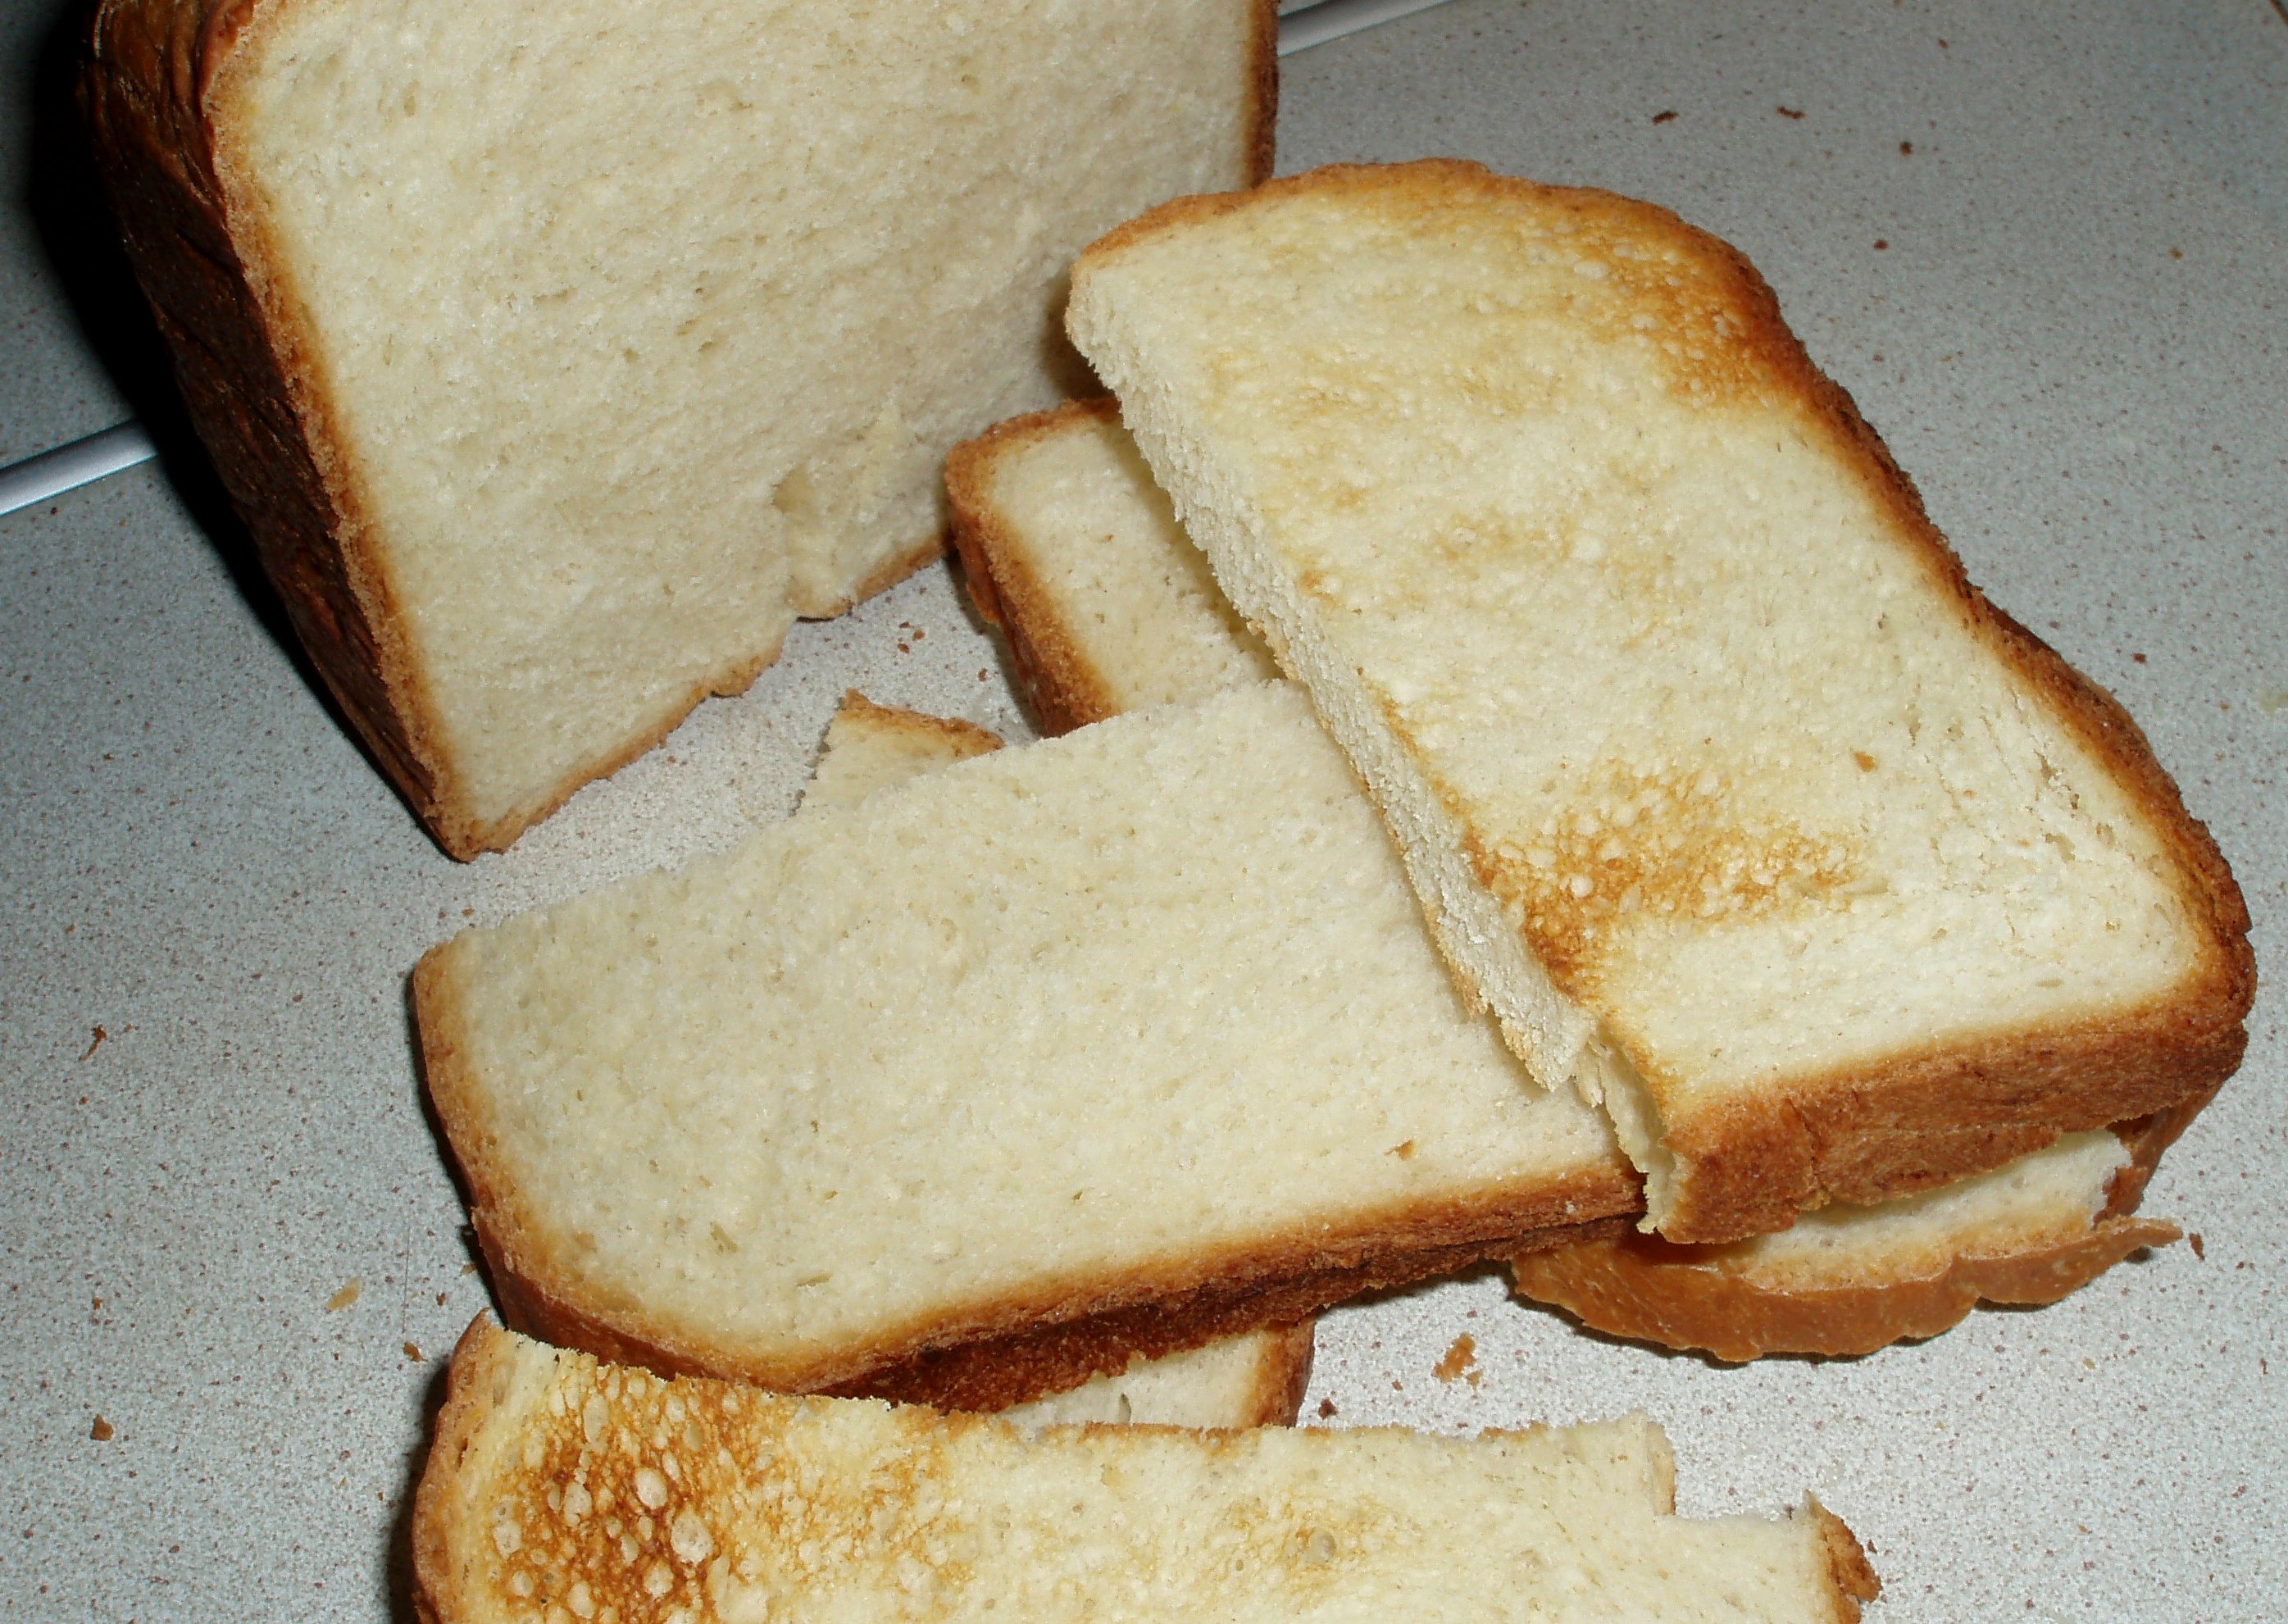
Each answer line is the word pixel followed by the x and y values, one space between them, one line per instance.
pixel 148 71
pixel 1871 1134
pixel 251 375
pixel 439 1520
pixel 1062 687
pixel 248 370
pixel 1851 1578
pixel 990 1354
pixel 1649 1289
pixel 1284 1375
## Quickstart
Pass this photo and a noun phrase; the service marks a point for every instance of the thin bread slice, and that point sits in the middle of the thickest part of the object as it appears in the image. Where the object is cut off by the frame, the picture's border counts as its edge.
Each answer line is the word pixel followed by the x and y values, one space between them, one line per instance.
pixel 1847 1280
pixel 1068 547
pixel 1745 814
pixel 556 1482
pixel 991 1080
pixel 1254 1378
pixel 1071 550
pixel 558 357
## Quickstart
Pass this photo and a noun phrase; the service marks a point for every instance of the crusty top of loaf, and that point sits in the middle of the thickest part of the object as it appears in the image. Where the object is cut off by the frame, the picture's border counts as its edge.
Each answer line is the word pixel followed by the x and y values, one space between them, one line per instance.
pixel 555 1480
pixel 1643 644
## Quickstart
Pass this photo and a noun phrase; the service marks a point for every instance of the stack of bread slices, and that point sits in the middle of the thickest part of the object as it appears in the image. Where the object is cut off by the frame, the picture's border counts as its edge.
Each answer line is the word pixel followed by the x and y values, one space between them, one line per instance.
pixel 1531 784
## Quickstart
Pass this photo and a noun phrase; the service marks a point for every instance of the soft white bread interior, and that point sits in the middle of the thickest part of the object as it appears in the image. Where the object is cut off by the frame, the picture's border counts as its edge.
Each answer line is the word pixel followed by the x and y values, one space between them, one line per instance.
pixel 1141 1019
pixel 869 747
pixel 555 1482
pixel 558 356
pixel 1744 812
pixel 1253 1379
pixel 1068 546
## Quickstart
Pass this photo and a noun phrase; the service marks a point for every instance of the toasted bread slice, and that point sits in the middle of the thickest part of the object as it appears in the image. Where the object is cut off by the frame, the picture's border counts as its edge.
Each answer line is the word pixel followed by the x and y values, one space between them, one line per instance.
pixel 1745 814
pixel 557 358
pixel 991 1080
pixel 1254 1378
pixel 556 1482
pixel 1069 548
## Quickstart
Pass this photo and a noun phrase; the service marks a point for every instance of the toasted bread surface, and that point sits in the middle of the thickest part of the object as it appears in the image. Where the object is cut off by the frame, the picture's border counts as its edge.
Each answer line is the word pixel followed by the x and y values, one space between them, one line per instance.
pixel 538 444
pixel 1056 506
pixel 555 1481
pixel 1745 814
pixel 924 1072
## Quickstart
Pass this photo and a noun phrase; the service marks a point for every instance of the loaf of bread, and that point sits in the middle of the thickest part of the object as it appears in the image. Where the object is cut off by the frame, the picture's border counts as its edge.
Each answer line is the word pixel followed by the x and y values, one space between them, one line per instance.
pixel 558 357
pixel 1253 1379
pixel 1068 548
pixel 989 1081
pixel 556 1483
pixel 1742 810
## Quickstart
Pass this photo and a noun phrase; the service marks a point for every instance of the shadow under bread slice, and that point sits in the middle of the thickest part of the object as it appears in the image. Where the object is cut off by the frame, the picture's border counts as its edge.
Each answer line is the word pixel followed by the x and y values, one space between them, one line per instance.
pixel 1071 550
pixel 557 1482
pixel 1103 1046
pixel 1746 815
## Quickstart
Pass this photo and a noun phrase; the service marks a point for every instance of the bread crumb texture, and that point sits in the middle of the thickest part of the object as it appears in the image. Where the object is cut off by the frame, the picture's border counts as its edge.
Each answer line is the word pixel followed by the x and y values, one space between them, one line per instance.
pixel 1097 538
pixel 1538 481
pixel 645 332
pixel 998 1032
pixel 562 1489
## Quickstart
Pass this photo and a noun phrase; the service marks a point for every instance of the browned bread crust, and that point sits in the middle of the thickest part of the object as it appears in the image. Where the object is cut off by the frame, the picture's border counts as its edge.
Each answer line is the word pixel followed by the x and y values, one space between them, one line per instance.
pixel 1061 683
pixel 964 740
pixel 243 359
pixel 988 1355
pixel 529 1493
pixel 1654 1290
pixel 1284 1377
pixel 1918 1120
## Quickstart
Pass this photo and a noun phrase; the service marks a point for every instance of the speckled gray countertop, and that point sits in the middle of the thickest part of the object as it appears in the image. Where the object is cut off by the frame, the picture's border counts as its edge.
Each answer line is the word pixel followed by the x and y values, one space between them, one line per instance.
pixel 2045 246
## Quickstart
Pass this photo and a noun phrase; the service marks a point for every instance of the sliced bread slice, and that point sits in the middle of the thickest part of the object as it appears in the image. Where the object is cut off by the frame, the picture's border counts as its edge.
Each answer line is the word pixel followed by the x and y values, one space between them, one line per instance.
pixel 556 1482
pixel 558 357
pixel 1743 811
pixel 991 1080
pixel 1071 550
pixel 1254 1378
pixel 1849 1280
pixel 1068 547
